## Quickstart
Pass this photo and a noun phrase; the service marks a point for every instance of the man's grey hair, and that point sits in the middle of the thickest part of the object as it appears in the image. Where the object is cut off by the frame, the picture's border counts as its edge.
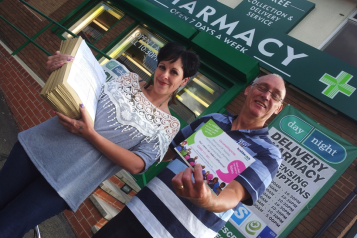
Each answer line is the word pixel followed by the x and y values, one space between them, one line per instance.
pixel 257 78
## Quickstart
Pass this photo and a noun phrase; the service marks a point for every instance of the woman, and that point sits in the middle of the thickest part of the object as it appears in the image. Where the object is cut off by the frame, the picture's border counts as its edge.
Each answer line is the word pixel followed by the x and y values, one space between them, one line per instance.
pixel 213 184
pixel 205 175
pixel 55 166
pixel 220 188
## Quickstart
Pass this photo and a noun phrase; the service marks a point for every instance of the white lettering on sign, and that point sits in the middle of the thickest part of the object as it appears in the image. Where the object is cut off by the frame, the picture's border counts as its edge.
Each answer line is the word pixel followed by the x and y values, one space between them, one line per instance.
pixel 290 51
pixel 246 36
pixel 291 56
pixel 206 17
pixel 227 232
pixel 323 147
pixel 265 16
pixel 297 129
pixel 189 6
pixel 207 11
pixel 223 25
pixel 241 212
pixel 261 19
pixel 266 41
pixel 282 2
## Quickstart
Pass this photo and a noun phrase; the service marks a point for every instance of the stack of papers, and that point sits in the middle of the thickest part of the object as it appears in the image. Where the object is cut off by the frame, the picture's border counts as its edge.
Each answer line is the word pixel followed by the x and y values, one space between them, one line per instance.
pixel 75 83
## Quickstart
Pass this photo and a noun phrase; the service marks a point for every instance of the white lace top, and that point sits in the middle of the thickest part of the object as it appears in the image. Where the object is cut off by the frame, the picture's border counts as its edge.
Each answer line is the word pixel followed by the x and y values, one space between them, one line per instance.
pixel 134 109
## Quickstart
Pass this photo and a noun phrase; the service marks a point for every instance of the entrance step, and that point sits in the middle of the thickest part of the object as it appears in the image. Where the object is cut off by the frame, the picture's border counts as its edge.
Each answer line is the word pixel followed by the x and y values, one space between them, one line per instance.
pixel 113 190
pixel 127 178
pixel 106 210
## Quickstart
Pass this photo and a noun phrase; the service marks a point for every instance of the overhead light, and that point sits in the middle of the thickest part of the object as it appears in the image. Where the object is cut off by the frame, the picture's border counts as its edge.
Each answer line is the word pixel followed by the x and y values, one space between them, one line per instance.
pixel 87 21
pixel 99 24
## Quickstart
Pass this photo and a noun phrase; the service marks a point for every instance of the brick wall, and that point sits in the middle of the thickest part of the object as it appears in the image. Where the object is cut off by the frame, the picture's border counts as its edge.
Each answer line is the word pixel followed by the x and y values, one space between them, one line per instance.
pixel 30 23
pixel 344 127
pixel 21 92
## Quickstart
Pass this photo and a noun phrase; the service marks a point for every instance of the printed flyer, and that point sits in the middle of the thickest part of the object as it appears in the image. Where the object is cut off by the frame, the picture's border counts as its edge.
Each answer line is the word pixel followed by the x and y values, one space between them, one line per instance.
pixel 222 159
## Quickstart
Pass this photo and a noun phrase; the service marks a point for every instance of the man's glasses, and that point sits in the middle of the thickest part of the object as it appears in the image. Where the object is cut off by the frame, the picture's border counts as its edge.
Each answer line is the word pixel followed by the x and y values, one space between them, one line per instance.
pixel 264 89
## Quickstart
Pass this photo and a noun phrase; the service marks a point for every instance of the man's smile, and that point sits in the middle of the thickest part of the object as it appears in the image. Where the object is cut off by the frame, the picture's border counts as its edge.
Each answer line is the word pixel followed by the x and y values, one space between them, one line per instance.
pixel 260 104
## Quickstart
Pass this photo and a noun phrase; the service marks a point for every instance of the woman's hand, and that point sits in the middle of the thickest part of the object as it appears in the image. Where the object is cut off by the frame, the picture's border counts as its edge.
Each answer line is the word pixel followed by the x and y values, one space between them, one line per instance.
pixel 56 61
pixel 83 127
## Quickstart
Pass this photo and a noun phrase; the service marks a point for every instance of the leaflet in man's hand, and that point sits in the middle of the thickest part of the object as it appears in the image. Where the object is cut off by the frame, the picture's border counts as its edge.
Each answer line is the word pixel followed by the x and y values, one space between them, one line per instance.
pixel 222 157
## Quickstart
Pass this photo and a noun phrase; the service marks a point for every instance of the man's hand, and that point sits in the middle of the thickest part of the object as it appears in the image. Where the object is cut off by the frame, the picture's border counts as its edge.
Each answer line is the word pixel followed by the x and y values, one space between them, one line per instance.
pixel 197 192
pixel 83 127
pixel 56 61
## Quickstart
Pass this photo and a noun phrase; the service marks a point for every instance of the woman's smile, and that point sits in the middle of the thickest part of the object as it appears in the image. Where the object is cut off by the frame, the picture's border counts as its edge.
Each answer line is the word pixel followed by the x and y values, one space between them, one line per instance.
pixel 162 83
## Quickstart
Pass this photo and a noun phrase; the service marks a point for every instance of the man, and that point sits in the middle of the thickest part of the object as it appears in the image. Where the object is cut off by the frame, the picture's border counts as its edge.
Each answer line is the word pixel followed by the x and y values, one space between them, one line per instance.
pixel 175 205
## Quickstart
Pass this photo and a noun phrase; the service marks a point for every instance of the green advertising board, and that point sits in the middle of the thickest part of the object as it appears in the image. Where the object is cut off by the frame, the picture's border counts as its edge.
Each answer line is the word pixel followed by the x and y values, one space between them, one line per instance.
pixel 313 159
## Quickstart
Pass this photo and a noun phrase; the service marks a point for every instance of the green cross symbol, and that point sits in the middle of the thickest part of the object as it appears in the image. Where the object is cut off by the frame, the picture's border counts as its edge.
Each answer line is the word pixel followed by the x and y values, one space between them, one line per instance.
pixel 338 84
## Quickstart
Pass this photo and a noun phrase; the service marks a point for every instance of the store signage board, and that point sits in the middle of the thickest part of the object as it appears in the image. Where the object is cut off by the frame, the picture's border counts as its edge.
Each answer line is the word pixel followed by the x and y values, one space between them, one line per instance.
pixel 314 158
pixel 242 26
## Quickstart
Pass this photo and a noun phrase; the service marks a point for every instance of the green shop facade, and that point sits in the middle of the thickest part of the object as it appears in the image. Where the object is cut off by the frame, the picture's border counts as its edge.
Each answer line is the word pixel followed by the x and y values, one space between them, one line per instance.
pixel 235 46
pixel 223 74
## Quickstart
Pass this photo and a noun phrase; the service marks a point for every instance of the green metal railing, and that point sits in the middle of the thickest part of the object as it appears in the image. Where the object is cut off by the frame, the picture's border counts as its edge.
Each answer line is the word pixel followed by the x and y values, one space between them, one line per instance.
pixel 31 40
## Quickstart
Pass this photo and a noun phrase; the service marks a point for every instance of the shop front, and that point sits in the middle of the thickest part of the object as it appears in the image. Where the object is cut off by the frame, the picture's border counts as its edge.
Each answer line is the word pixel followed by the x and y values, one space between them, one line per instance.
pixel 235 45
pixel 230 42
pixel 132 32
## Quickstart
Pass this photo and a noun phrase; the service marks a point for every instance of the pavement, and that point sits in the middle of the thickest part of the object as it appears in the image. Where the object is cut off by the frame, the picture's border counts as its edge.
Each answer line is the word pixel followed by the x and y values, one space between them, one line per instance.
pixel 55 227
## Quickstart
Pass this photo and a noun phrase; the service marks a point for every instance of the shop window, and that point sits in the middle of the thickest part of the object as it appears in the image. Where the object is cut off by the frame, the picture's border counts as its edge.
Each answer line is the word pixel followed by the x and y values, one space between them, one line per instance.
pixel 138 52
pixel 342 43
pixel 96 22
pixel 196 96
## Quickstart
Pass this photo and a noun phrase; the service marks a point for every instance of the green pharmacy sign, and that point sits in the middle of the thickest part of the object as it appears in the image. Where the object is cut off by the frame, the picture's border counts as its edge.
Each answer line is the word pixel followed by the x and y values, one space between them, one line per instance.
pixel 259 29
pixel 243 26
pixel 338 84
